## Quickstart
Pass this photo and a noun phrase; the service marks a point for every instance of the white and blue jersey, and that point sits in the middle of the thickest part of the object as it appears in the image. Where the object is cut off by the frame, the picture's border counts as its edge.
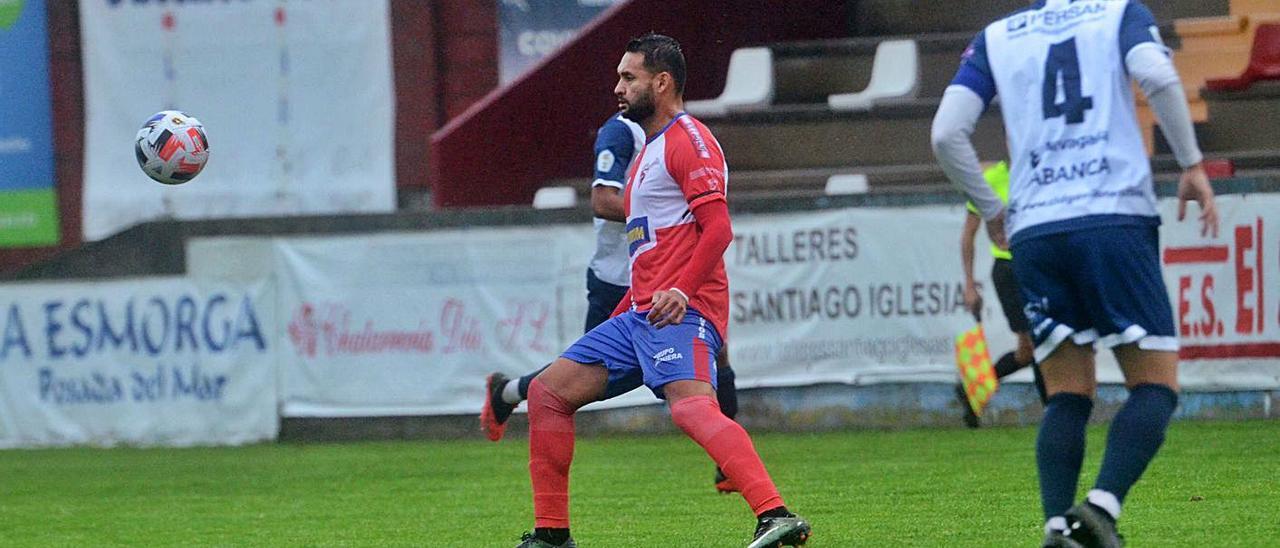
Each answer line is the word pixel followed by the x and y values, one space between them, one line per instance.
pixel 617 143
pixel 1082 216
pixel 1076 150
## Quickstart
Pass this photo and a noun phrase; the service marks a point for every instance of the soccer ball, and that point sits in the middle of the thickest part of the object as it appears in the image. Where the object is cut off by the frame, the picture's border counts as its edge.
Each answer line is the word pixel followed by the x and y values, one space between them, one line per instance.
pixel 172 147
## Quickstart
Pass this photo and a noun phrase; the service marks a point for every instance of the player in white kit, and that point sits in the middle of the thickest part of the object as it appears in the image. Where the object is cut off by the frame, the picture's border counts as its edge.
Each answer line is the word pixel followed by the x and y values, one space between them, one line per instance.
pixel 1083 224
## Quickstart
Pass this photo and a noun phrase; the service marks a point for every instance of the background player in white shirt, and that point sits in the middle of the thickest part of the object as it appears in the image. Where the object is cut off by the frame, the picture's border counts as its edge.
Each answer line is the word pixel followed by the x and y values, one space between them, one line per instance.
pixel 1083 225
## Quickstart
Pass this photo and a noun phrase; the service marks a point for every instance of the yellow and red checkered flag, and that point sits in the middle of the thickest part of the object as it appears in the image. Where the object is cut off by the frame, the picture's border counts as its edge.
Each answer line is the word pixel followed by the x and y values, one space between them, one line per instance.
pixel 977 374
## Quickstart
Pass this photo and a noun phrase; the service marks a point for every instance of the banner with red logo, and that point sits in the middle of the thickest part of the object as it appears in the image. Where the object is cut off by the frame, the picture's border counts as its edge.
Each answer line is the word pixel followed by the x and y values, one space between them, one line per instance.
pixel 1225 292
pixel 406 324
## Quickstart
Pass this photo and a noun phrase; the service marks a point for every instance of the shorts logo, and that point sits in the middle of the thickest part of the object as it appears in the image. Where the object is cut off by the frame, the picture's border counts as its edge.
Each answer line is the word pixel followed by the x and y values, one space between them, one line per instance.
pixel 1037 315
pixel 637 234
pixel 667 355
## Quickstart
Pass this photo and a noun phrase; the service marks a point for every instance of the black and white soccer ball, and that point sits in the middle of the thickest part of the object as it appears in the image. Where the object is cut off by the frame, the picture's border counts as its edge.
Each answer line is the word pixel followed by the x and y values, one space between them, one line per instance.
pixel 172 147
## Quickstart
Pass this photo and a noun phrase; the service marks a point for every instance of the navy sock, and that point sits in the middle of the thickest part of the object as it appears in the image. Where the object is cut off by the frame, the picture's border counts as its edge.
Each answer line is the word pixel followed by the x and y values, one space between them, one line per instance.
pixel 1136 434
pixel 525 380
pixel 1060 450
pixel 726 392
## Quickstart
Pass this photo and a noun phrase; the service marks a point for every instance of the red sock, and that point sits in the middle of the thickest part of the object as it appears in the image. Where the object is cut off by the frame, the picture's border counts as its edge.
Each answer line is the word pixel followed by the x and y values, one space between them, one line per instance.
pixel 550 454
pixel 731 448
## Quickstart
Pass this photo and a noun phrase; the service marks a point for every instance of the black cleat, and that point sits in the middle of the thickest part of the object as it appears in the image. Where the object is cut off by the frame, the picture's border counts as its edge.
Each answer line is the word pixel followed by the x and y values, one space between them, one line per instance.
pixel 970 419
pixel 494 414
pixel 1057 539
pixel 1092 527
pixel 791 530
pixel 530 541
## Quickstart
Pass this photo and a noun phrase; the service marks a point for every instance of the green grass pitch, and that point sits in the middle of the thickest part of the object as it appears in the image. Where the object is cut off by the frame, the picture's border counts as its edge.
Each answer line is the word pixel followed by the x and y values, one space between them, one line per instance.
pixel 1214 484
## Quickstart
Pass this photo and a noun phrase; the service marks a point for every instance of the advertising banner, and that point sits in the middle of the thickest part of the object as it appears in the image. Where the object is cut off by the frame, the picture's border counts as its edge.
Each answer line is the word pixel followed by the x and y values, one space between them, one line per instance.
pixel 404 324
pixel 1225 292
pixel 411 324
pixel 28 203
pixel 532 29
pixel 296 99
pixel 156 361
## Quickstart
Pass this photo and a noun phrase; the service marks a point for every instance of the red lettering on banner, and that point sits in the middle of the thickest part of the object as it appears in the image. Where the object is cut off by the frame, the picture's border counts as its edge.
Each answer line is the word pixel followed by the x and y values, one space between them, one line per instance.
pixel 1202 254
pixel 327 329
pixel 461 332
pixel 1244 280
pixel 1210 315
pixel 1184 306
pixel 1207 323
pixel 1198 321
pixel 1261 304
pixel 525 327
pixel 1222 351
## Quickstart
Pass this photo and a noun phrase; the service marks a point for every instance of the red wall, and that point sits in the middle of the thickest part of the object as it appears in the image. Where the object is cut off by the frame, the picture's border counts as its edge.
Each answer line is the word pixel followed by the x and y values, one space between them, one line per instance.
pixel 67 89
pixel 541 126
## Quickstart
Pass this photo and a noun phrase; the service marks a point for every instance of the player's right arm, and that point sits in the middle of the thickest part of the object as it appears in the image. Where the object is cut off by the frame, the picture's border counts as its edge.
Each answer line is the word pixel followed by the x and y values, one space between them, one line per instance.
pixel 614 149
pixel 963 103
pixel 1148 62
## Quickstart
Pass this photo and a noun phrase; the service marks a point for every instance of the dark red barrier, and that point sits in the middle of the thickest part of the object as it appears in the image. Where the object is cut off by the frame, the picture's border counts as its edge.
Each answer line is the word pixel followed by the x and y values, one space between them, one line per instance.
pixel 541 126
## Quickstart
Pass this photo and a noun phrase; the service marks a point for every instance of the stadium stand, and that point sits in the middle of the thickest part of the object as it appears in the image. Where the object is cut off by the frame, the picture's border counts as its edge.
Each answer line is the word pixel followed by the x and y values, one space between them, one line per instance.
pixel 895 74
pixel 793 147
pixel 1264 61
pixel 748 84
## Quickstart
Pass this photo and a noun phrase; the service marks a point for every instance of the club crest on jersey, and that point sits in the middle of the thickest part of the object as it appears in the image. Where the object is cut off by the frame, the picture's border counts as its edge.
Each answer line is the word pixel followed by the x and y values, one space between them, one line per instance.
pixel 637 234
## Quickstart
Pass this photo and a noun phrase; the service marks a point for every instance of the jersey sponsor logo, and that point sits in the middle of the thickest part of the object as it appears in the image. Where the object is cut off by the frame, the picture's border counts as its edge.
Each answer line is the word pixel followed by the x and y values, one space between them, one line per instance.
pixel 1053 20
pixel 696 136
pixel 1088 168
pixel 637 234
pixel 667 355
pixel 604 161
pixel 1077 143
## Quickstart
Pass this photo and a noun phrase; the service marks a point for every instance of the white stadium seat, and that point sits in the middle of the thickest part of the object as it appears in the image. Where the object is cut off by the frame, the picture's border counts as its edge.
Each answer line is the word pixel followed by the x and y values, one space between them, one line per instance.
pixel 853 183
pixel 555 197
pixel 895 73
pixel 749 84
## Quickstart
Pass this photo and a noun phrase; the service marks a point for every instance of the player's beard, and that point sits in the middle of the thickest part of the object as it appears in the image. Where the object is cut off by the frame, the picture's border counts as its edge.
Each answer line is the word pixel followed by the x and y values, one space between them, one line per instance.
pixel 640 109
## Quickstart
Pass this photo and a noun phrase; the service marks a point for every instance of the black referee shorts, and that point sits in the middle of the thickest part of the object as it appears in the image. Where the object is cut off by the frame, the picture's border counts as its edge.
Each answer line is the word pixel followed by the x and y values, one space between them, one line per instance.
pixel 1010 295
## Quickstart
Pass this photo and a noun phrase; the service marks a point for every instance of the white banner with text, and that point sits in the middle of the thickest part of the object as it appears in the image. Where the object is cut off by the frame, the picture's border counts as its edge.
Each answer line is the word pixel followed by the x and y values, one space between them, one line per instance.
pixel 147 361
pixel 296 98
pixel 410 323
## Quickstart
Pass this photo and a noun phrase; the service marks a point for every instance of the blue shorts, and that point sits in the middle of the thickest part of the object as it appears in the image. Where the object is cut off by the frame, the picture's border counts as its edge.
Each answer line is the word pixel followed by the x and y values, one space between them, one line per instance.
pixel 635 353
pixel 1099 284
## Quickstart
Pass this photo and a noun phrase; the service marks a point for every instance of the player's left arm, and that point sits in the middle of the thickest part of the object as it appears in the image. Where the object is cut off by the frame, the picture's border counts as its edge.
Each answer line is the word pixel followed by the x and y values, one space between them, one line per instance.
pixel 963 103
pixel 1149 63
pixel 712 217
pixel 700 172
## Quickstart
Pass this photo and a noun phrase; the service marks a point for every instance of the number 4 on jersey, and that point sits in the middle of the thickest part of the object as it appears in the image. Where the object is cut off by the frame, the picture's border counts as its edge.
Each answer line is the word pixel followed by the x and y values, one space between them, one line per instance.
pixel 1063 61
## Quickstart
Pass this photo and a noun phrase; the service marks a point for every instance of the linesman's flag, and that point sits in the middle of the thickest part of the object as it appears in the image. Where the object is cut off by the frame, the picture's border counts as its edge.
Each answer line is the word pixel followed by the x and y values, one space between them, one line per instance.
pixel 976 372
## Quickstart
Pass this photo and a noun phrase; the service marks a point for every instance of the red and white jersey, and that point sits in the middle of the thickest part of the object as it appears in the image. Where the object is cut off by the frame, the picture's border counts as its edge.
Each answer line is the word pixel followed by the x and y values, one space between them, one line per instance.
pixel 679 169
